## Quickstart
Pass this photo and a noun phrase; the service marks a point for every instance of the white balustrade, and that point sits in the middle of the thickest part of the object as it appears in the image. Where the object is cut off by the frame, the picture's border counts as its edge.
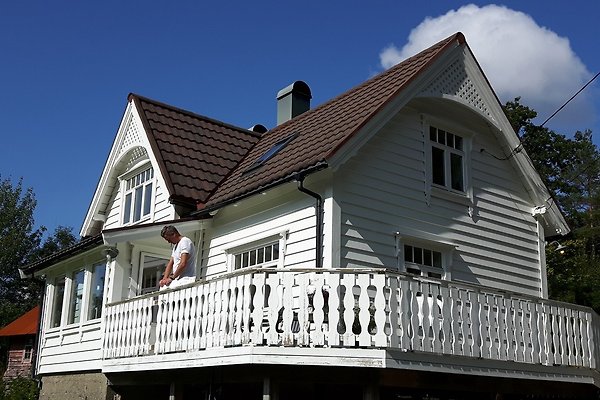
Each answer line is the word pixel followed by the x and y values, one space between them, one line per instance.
pixel 367 308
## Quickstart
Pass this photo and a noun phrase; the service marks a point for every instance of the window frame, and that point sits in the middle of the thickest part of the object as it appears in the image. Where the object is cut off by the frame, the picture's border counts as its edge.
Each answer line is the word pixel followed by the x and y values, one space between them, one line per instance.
pixel 137 170
pixel 142 267
pixel 91 303
pixel 254 243
pixel 446 251
pixel 446 191
pixel 72 316
pixel 57 309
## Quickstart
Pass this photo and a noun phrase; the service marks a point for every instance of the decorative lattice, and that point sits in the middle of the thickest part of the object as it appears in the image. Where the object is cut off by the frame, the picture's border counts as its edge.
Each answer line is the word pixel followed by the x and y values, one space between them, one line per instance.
pixel 132 137
pixel 455 81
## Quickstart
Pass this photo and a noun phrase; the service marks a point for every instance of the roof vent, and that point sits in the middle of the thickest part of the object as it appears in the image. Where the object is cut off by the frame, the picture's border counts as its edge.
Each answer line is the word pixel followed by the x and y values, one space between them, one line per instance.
pixel 293 101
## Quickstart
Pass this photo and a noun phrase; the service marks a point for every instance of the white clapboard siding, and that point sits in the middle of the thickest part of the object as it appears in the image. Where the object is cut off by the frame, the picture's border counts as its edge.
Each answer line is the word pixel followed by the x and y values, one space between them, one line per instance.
pixel 293 215
pixel 382 190
pixel 75 348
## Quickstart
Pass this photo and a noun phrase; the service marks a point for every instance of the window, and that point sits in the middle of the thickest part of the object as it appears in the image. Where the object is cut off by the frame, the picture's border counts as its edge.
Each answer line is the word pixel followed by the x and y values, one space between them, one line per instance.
pixel 28 349
pixel 447 159
pixel 59 294
pixel 422 261
pixel 261 256
pixel 97 291
pixel 138 196
pixel 276 148
pixel 152 272
pixel 76 298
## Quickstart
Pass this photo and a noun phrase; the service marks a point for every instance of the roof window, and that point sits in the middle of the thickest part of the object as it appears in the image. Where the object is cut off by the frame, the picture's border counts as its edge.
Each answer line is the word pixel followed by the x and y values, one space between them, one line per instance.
pixel 276 148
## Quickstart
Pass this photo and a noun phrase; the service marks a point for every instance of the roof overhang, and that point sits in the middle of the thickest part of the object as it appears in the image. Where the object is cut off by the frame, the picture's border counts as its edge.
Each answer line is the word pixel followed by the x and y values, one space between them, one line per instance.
pixel 111 237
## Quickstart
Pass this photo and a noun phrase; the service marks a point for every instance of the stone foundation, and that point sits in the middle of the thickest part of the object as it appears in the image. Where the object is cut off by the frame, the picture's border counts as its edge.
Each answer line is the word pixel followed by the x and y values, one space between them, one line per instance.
pixel 75 386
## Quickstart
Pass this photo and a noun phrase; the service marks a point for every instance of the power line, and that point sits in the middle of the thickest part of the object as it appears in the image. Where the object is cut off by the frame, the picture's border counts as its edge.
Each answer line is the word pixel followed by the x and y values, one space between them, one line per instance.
pixel 567 102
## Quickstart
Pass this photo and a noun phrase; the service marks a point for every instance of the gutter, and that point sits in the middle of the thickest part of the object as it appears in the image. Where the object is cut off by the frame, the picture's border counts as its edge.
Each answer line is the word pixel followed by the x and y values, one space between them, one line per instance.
pixel 319 222
pixel 289 178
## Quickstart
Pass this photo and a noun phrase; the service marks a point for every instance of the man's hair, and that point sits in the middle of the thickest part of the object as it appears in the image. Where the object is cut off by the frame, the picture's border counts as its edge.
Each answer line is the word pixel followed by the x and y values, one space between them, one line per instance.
pixel 168 230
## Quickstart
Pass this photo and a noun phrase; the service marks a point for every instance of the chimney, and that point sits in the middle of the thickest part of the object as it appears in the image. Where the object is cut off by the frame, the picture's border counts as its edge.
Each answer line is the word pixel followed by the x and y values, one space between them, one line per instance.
pixel 292 101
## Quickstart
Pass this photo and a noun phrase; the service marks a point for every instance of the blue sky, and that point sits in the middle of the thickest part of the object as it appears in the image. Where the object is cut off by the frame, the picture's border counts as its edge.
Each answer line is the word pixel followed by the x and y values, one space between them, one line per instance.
pixel 67 67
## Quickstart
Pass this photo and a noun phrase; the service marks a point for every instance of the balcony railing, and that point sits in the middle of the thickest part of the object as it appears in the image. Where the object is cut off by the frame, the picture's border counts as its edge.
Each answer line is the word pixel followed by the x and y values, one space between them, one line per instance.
pixel 366 308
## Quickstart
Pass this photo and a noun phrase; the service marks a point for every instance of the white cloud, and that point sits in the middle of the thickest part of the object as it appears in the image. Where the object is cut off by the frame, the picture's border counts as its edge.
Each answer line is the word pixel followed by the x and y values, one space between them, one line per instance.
pixel 519 58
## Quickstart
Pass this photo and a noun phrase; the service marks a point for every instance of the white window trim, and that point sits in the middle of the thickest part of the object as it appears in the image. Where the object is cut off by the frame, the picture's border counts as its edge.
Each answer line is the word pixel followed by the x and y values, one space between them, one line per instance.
pixel 66 303
pixel 136 169
pixel 445 192
pixel 143 255
pixel 250 243
pixel 445 248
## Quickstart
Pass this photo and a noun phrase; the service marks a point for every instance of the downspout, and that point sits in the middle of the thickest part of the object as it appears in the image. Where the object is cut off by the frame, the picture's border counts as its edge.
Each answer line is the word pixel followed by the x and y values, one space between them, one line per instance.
pixel 319 215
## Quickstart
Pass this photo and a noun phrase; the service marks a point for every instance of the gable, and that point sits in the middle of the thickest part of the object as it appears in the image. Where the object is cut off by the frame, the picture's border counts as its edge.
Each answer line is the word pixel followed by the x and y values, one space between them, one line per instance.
pixel 190 155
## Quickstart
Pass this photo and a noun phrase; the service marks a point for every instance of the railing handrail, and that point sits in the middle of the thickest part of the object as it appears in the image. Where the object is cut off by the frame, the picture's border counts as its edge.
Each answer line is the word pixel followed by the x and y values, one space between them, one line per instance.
pixel 374 270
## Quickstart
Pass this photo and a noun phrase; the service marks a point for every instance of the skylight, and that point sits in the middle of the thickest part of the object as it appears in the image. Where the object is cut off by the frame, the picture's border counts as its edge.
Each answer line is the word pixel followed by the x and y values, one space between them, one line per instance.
pixel 276 148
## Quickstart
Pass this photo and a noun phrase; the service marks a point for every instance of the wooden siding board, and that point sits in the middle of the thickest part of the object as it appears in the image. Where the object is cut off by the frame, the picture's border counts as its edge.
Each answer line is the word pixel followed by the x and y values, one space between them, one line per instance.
pixel 383 189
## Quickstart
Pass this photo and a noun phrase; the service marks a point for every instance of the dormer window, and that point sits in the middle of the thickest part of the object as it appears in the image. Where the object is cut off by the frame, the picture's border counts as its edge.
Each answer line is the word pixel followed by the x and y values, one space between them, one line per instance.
pixel 137 199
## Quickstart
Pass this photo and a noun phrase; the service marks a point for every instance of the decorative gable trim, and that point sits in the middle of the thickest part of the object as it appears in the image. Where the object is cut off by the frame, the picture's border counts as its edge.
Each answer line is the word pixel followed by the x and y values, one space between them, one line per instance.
pixel 129 148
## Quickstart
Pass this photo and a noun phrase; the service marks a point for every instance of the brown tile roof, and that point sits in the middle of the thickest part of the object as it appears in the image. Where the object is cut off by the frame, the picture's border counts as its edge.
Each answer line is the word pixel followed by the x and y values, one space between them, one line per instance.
pixel 195 153
pixel 325 129
pixel 26 324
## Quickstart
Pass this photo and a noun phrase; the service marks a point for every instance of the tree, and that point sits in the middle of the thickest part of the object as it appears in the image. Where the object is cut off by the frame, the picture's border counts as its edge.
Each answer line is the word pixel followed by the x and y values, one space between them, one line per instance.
pixel 570 167
pixel 19 246
pixel 18 242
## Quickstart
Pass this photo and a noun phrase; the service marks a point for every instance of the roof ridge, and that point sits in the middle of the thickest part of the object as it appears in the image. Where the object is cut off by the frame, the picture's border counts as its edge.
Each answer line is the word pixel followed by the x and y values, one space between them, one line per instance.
pixel 192 114
pixel 456 36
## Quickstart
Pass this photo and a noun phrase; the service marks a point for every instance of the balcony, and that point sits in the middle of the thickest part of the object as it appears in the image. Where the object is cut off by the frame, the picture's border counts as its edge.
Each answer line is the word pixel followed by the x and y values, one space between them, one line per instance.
pixel 352 317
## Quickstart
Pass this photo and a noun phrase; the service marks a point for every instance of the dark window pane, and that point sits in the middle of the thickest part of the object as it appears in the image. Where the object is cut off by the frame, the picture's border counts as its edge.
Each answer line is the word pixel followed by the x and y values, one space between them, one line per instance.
pixel 437 259
pixel 408 253
pixel 252 258
pixel 437 166
pixel 238 261
pixel 458 143
pixel 268 253
pixel 260 255
pixel 432 134
pixel 441 136
pixel 147 198
pixel 456 170
pixel 276 251
pixel 127 211
pixel 427 259
pixel 137 207
pixel 418 256
pixel 244 260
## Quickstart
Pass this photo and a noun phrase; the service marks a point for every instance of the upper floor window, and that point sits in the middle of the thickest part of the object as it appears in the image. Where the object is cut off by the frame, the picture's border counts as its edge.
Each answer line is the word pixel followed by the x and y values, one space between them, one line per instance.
pixel 137 200
pixel 447 159
pixel 59 294
pixel 97 291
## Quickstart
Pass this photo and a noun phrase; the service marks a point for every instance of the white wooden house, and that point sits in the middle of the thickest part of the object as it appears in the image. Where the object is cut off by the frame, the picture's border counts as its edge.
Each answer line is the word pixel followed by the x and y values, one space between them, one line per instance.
pixel 386 244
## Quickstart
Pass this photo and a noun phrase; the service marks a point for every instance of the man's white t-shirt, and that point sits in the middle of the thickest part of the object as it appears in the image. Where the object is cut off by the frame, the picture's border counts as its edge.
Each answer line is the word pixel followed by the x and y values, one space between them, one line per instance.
pixel 185 245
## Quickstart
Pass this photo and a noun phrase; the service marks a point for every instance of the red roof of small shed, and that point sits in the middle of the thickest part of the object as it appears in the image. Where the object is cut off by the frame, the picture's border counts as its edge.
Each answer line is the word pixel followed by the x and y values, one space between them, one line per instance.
pixel 26 324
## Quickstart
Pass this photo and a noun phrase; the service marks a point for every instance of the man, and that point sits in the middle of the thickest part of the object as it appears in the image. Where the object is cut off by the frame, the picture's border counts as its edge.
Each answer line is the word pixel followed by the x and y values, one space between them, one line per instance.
pixel 181 268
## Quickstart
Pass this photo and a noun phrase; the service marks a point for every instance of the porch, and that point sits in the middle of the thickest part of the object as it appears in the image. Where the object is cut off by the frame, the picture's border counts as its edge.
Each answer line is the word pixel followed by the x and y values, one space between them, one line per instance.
pixel 372 318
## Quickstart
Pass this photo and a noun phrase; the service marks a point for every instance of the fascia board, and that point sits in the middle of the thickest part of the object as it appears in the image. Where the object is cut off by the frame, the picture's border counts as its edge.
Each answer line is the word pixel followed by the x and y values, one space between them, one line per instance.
pixel 112 237
pixel 101 188
pixel 393 107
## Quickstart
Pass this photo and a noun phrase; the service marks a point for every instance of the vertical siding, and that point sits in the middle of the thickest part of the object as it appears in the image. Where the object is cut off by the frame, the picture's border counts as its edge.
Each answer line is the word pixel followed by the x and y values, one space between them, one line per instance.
pixel 382 190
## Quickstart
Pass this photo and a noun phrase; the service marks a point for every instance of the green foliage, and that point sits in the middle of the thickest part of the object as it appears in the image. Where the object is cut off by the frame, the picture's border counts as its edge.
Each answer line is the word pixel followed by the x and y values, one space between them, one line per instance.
pixel 570 167
pixel 19 389
pixel 20 244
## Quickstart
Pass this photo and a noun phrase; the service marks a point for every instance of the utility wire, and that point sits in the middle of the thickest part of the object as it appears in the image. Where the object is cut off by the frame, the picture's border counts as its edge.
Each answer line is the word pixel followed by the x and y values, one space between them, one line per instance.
pixel 567 102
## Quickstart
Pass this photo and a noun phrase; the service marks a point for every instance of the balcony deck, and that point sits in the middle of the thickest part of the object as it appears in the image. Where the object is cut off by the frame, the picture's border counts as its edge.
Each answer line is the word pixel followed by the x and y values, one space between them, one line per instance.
pixel 351 317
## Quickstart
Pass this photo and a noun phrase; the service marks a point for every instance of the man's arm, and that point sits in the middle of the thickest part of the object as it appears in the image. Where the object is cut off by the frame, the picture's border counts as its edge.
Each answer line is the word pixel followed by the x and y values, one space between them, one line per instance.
pixel 182 265
pixel 166 280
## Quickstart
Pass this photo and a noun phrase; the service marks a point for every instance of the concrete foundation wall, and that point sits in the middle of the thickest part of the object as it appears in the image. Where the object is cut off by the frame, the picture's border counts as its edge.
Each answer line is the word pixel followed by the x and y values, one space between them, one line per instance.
pixel 88 386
